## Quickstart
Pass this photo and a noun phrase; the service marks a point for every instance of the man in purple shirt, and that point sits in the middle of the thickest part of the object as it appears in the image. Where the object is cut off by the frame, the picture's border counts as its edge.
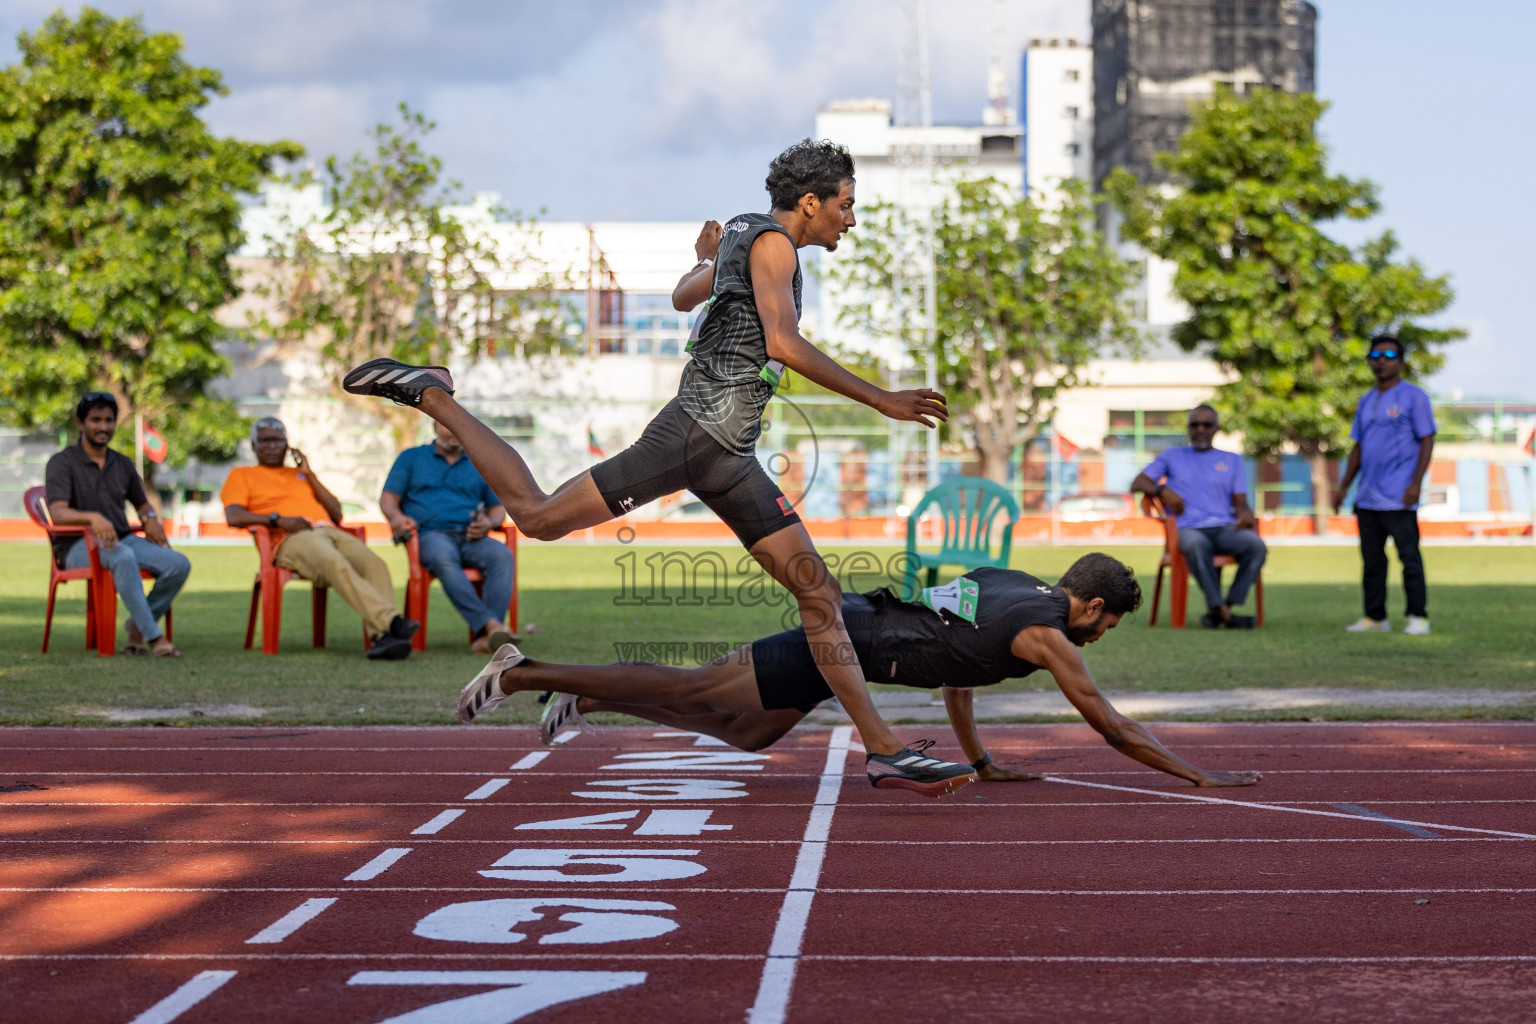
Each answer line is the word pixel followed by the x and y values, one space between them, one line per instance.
pixel 1207 490
pixel 1394 435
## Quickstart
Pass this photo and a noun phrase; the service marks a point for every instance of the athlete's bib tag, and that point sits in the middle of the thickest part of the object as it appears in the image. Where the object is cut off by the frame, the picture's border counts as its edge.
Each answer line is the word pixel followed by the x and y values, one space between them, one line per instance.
pixel 959 597
pixel 773 373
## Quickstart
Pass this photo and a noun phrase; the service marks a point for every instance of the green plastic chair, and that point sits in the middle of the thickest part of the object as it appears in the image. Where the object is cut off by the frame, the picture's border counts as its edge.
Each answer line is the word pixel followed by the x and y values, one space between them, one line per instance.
pixel 970 506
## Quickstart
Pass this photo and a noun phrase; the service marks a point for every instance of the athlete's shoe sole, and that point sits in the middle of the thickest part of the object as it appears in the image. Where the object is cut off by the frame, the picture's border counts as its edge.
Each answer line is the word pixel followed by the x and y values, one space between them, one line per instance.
pixel 943 787
pixel 399 382
pixel 484 692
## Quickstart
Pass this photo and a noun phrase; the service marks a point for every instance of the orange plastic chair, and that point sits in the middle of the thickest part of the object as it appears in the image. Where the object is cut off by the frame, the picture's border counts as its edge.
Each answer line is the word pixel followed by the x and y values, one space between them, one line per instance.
pixel 267 595
pixel 1175 564
pixel 100 590
pixel 419 584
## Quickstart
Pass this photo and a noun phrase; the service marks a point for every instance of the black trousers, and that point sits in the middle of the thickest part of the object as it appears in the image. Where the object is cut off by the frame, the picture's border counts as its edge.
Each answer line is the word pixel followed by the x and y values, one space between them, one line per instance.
pixel 1402 525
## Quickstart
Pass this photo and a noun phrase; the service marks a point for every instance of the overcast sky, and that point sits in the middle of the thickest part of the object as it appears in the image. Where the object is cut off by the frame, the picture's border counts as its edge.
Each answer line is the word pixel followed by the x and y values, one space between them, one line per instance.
pixel 671 109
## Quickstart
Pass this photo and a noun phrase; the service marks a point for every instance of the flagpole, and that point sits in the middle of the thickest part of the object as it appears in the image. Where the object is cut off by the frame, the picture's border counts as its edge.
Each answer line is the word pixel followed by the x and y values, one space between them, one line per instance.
pixel 138 443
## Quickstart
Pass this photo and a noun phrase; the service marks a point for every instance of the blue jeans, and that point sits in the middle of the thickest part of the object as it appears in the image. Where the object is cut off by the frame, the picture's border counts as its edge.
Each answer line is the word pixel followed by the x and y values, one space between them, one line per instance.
pixel 131 554
pixel 1202 544
pixel 446 554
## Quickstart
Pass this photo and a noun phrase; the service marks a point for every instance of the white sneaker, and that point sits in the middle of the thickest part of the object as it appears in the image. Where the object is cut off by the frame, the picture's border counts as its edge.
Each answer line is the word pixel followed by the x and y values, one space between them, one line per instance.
pixel 1370 625
pixel 1417 626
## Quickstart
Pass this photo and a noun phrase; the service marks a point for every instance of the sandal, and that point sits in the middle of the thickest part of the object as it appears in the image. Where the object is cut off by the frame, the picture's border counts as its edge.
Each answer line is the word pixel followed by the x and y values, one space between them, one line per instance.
pixel 132 648
pixel 165 652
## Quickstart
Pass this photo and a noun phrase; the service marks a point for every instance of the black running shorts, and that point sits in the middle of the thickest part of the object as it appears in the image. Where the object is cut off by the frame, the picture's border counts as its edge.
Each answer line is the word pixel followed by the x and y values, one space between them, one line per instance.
pixel 787 674
pixel 675 453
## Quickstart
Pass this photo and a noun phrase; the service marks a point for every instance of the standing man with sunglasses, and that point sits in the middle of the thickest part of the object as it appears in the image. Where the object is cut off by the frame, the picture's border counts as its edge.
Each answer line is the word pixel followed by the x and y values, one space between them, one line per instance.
pixel 1207 490
pixel 1394 435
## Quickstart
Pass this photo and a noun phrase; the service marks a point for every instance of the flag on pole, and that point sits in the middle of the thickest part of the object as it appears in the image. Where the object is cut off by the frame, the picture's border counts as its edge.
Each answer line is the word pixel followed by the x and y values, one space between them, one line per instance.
pixel 1530 443
pixel 592 446
pixel 155 448
pixel 1066 447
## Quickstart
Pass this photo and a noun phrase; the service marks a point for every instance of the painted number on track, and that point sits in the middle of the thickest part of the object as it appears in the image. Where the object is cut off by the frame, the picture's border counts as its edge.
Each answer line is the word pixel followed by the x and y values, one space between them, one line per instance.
pixel 681 822
pixel 633 865
pixel 596 921
pixel 664 789
pixel 692 760
pixel 518 993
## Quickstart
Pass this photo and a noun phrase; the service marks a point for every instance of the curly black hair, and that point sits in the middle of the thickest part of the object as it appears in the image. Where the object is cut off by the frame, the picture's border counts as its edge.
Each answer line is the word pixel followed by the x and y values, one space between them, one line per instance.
pixel 819 168
pixel 1099 575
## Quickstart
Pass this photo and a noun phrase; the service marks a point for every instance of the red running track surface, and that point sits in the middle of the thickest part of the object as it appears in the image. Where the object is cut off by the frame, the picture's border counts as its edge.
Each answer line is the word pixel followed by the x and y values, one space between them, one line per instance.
pixel 429 876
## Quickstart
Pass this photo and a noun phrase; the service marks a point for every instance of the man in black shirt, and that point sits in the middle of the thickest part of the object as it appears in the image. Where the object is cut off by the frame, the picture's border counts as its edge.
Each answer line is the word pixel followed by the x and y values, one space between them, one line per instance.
pixel 704 439
pixel 87 485
pixel 983 627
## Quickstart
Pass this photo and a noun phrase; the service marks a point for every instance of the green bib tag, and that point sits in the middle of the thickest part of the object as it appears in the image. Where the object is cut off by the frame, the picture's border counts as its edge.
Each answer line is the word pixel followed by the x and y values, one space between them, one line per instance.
pixel 773 373
pixel 959 597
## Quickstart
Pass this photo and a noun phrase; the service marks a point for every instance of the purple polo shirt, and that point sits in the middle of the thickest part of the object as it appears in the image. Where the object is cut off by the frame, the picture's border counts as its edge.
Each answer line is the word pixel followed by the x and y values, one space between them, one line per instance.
pixel 1389 426
pixel 1205 480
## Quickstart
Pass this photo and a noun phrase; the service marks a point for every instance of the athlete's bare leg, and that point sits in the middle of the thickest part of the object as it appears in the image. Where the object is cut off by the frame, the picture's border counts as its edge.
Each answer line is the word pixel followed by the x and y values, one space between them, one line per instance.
pixel 575 504
pixel 790 557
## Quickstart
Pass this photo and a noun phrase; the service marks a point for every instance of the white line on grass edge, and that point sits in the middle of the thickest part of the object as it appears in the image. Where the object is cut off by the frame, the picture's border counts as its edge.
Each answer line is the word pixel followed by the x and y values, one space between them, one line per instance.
pixel 1292 810
pixel 784 951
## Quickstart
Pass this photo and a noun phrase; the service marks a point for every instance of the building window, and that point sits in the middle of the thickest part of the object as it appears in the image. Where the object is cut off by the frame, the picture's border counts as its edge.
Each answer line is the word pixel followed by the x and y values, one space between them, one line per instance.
pixel 1069 75
pixel 1073 149
pixel 1071 114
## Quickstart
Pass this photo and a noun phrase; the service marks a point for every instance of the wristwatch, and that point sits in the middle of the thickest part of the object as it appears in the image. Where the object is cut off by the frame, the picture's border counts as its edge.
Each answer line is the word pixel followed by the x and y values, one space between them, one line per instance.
pixel 272 518
pixel 982 762
pixel 705 262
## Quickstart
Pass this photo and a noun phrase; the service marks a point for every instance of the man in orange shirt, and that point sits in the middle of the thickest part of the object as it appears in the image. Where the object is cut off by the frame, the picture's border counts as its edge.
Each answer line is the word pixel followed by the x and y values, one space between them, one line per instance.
pixel 291 499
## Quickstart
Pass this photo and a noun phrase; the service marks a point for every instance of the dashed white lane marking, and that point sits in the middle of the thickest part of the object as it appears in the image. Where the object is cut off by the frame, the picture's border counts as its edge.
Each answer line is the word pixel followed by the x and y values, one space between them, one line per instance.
pixel 566 736
pixel 292 921
pixel 1279 807
pixel 437 824
pixel 376 867
pixel 778 980
pixel 183 999
pixel 487 790
pixel 529 760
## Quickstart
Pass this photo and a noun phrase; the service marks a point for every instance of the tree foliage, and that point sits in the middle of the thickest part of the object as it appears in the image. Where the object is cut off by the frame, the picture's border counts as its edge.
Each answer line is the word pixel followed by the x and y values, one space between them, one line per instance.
pixel 118 208
pixel 1272 299
pixel 1027 294
pixel 390 271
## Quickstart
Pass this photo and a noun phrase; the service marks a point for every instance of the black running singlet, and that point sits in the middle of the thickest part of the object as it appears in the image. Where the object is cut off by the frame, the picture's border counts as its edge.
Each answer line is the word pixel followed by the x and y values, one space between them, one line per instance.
pixel 730 378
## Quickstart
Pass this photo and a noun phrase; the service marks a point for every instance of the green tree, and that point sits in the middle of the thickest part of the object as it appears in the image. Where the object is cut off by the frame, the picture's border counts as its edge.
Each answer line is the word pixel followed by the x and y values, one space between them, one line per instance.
pixel 1027 293
pixel 390 271
pixel 118 209
pixel 1288 311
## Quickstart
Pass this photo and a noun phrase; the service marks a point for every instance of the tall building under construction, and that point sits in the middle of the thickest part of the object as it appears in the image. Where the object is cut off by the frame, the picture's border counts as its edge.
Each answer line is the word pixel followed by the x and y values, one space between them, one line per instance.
pixel 1152 58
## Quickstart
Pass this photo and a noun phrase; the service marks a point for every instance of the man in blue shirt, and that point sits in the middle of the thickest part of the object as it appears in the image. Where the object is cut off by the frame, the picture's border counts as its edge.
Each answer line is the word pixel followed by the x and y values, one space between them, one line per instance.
pixel 1207 490
pixel 436 491
pixel 1394 435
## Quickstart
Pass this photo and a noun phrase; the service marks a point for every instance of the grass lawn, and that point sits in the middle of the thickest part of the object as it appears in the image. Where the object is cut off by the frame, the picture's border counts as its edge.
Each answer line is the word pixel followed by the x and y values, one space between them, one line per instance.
pixel 580 601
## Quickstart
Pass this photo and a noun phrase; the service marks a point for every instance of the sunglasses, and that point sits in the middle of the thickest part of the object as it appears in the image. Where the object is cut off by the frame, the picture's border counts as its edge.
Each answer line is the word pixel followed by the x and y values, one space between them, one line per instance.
pixel 1202 425
pixel 1382 353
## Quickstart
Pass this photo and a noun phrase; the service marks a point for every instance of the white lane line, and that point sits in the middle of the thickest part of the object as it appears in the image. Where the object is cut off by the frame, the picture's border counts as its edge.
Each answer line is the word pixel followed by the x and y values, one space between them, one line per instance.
pixel 487 790
pixel 1279 807
pixel 376 867
pixel 968 808
pixel 183 999
pixel 1366 812
pixel 597 889
pixel 1472 958
pixel 292 921
pixel 696 816
pixel 529 760
pixel 784 951
pixel 437 824
pixel 566 736
pixel 562 738
pixel 1516 958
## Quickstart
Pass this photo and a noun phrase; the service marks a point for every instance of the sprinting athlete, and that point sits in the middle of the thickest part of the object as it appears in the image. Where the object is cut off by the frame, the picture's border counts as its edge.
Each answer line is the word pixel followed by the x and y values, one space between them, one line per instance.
pixel 983 627
pixel 703 440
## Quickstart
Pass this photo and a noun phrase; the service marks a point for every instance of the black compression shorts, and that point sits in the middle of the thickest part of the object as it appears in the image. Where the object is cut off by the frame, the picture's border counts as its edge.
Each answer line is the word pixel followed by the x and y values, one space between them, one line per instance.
pixel 675 453
pixel 787 674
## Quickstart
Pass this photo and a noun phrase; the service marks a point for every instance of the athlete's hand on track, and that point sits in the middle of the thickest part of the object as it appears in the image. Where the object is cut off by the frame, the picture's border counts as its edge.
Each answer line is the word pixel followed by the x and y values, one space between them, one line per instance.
pixel 1002 773
pixel 915 405
pixel 709 240
pixel 1229 779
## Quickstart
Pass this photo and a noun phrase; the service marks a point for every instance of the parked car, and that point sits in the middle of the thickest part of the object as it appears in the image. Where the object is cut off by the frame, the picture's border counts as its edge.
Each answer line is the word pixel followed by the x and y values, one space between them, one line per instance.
pixel 1097 506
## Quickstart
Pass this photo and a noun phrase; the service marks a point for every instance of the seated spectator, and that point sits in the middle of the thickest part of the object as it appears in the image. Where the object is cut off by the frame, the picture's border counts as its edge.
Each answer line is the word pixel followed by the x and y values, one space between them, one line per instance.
pixel 299 509
pixel 436 491
pixel 1206 489
pixel 87 485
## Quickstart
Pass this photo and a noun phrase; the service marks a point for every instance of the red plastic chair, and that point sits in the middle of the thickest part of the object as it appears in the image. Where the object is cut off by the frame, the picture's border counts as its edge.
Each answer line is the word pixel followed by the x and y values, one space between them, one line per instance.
pixel 267 595
pixel 100 590
pixel 1175 564
pixel 419 584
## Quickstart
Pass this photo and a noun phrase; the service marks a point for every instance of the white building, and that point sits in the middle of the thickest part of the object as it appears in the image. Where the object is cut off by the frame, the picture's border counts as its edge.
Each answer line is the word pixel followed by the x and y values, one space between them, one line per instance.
pixel 1056 96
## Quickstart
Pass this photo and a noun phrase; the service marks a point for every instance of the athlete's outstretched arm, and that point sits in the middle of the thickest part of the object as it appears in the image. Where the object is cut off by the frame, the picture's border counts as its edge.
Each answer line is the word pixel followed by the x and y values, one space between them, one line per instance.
pixel 957 701
pixel 773 274
pixel 1050 649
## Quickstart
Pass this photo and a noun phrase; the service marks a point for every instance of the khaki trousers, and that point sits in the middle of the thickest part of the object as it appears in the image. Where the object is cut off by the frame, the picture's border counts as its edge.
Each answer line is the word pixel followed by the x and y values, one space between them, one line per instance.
pixel 333 558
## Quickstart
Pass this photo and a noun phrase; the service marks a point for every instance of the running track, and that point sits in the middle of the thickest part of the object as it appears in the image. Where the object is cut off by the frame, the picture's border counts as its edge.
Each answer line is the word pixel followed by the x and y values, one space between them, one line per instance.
pixel 1379 872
